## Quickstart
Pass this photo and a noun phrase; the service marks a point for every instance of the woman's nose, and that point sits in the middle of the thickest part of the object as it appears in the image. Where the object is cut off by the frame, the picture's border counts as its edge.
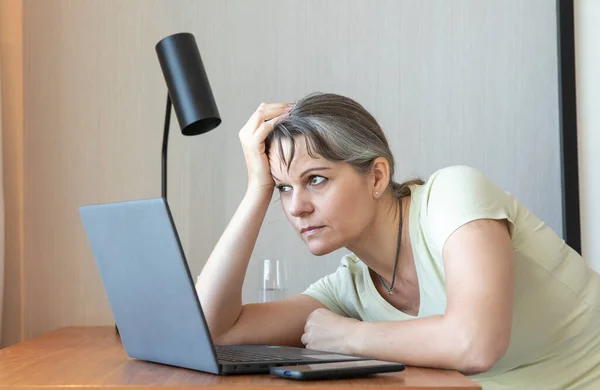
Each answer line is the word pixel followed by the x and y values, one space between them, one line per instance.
pixel 300 204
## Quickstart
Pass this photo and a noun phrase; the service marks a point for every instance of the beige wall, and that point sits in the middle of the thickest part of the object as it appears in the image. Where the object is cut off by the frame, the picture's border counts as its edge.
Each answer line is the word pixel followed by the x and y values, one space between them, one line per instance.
pixel 93 127
pixel 11 58
pixel 587 36
pixel 472 82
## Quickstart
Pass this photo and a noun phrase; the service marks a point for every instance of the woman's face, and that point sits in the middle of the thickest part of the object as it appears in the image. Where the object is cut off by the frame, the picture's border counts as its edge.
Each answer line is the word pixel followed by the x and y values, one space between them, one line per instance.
pixel 329 204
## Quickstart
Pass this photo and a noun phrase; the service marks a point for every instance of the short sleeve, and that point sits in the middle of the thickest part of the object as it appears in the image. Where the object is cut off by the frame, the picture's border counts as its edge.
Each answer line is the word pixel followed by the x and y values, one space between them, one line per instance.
pixel 458 195
pixel 326 290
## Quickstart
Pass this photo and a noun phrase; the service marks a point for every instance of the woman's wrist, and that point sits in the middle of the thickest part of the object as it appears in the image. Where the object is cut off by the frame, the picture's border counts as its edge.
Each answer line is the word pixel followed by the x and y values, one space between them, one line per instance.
pixel 356 341
pixel 259 191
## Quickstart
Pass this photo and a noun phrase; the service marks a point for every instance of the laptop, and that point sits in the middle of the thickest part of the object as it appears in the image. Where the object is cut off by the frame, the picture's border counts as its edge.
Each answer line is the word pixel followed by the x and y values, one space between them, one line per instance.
pixel 153 298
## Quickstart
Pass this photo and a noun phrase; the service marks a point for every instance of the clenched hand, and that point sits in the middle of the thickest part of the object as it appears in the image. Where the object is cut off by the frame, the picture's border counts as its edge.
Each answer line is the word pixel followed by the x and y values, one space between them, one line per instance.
pixel 327 331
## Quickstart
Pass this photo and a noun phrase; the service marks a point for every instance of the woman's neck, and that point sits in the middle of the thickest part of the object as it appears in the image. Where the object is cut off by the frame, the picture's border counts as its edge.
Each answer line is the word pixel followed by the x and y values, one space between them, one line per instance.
pixel 376 247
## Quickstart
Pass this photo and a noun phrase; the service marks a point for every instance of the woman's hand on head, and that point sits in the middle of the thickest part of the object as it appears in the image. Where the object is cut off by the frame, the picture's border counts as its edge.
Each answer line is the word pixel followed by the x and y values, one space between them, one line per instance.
pixel 253 136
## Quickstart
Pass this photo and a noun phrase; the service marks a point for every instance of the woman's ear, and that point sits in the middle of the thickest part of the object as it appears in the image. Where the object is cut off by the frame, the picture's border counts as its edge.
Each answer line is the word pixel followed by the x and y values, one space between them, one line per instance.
pixel 380 176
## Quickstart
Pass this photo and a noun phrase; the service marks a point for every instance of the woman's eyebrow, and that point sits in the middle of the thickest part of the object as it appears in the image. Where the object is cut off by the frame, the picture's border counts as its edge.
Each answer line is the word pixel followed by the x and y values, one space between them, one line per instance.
pixel 306 171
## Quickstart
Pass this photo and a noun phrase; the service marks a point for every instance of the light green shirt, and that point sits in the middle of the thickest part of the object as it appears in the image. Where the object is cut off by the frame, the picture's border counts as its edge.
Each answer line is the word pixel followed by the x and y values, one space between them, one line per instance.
pixel 555 339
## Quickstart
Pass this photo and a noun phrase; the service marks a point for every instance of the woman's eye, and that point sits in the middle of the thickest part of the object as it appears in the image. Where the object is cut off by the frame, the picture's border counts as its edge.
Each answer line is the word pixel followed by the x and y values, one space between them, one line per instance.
pixel 312 180
pixel 316 180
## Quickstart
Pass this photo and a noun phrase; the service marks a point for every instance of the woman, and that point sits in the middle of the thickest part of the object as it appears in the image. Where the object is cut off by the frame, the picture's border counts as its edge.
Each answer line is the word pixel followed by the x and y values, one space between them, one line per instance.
pixel 450 273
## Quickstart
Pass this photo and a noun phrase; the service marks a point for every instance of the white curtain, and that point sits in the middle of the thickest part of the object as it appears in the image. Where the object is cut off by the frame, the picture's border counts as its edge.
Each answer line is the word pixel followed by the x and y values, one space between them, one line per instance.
pixel 1 215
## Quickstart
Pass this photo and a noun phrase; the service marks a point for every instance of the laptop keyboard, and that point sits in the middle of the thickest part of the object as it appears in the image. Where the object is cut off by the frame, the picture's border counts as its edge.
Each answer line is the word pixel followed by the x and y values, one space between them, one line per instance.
pixel 237 355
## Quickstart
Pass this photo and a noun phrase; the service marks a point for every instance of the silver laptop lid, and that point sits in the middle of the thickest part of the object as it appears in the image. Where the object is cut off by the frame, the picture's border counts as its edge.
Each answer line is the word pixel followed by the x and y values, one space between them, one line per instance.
pixel 148 283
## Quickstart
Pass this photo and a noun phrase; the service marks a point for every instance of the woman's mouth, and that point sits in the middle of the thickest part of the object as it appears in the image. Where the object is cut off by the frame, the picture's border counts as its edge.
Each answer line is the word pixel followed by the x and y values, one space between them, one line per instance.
pixel 311 230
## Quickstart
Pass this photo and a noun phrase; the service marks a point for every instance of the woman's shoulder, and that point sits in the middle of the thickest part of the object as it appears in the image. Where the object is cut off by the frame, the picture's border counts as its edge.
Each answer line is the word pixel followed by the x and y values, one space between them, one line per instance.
pixel 456 175
pixel 460 184
pixel 456 195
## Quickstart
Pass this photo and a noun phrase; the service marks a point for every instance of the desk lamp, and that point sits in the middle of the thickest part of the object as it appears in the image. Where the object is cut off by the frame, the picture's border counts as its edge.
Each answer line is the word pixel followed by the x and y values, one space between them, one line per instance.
pixel 188 91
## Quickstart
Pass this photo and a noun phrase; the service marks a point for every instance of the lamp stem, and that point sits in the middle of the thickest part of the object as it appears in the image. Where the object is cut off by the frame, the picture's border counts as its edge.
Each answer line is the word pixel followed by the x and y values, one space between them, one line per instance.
pixel 164 147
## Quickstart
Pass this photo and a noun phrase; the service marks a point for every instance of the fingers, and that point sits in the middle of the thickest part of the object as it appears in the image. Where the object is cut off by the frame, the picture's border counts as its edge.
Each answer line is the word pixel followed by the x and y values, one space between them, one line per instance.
pixel 304 339
pixel 263 130
pixel 265 112
pixel 307 326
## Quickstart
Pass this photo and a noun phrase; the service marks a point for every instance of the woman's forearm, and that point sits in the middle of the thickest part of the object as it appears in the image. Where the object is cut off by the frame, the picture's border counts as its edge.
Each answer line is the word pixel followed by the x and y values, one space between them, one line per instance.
pixel 425 342
pixel 219 285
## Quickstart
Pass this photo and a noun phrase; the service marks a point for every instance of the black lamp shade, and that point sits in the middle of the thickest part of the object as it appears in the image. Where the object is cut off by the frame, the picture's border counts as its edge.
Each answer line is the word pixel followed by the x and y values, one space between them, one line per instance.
pixel 188 85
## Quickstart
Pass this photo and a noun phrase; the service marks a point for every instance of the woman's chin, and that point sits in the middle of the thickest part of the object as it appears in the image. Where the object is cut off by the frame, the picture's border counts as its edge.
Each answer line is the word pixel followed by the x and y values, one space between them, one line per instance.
pixel 321 249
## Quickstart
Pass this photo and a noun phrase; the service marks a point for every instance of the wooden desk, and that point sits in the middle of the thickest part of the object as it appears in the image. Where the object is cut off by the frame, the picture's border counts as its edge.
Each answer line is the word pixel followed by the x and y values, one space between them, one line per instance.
pixel 82 357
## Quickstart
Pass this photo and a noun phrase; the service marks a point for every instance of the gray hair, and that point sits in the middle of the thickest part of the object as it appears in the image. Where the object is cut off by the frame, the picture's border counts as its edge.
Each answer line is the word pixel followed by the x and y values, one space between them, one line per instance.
pixel 338 129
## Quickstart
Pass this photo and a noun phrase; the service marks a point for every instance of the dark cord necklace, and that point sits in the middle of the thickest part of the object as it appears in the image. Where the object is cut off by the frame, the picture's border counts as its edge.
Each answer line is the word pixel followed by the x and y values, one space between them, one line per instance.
pixel 389 289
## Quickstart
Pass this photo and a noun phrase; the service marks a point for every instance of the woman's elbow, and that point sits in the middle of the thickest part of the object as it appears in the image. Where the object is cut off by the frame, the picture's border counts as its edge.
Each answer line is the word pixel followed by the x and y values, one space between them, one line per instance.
pixel 479 355
pixel 472 365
